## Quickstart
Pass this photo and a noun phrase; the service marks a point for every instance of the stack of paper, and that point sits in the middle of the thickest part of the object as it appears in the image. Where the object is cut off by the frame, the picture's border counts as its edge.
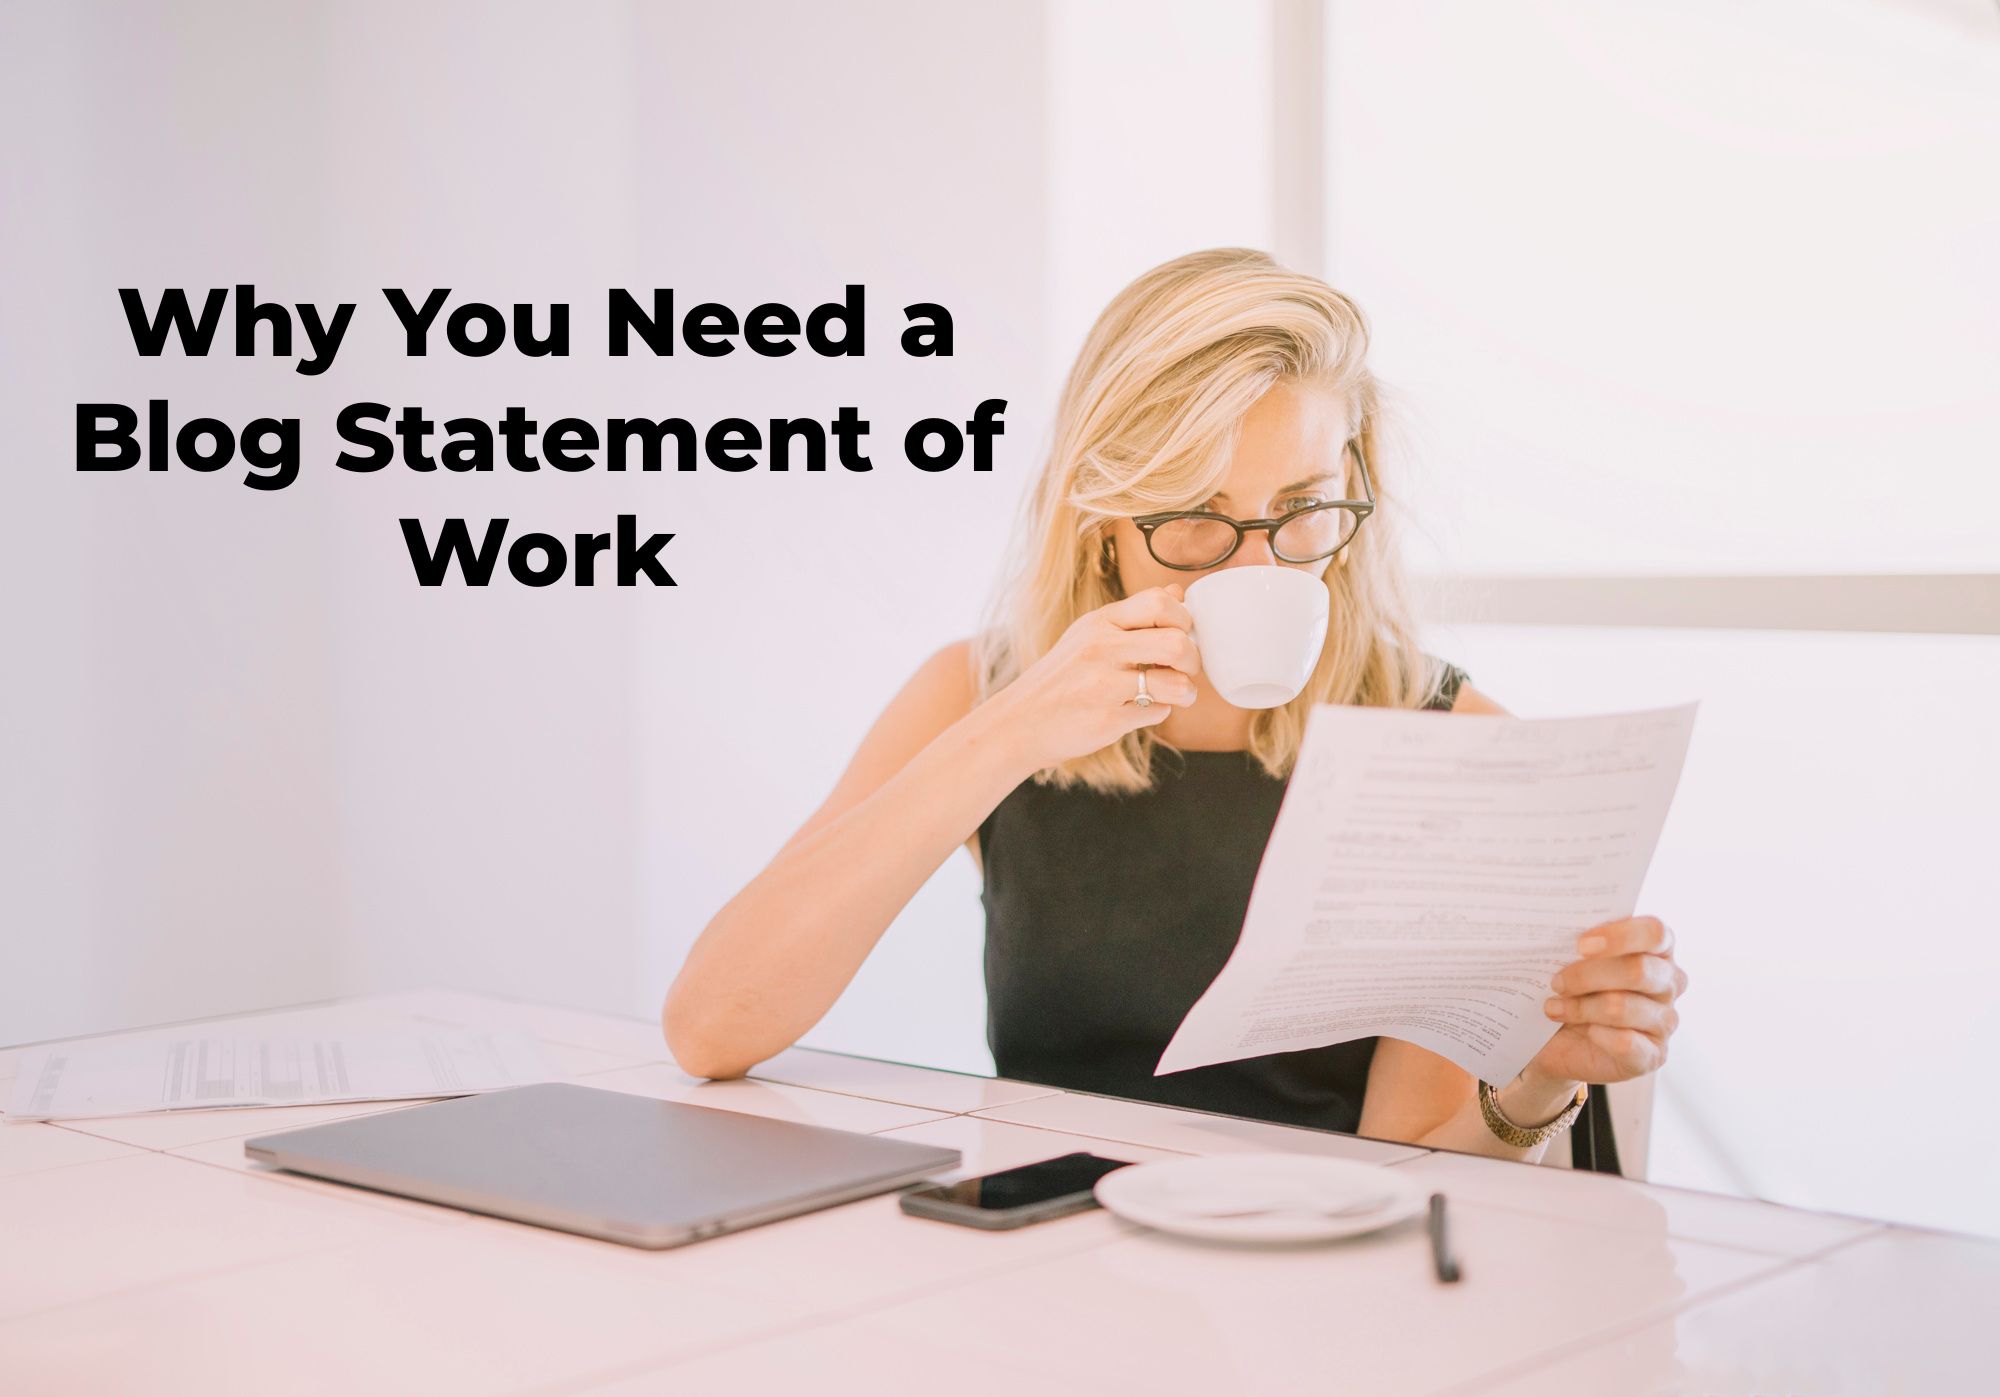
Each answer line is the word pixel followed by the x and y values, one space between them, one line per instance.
pixel 164 1072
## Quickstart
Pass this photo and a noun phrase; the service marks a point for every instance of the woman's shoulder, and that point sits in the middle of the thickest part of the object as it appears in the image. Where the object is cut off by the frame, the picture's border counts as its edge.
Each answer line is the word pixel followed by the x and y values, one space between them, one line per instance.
pixel 949 679
pixel 1449 679
pixel 1455 693
pixel 943 689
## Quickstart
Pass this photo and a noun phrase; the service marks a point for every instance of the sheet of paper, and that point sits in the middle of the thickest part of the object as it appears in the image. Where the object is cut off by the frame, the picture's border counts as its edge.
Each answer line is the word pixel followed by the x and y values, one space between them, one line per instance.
pixel 197 1071
pixel 1427 876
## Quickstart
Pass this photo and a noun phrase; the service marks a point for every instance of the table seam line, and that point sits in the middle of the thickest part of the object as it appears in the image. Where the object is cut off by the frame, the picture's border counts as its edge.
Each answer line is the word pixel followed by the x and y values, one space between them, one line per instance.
pixel 803 1324
pixel 1142 1144
pixel 72 1164
pixel 1527 1366
pixel 217 1139
pixel 1521 1210
pixel 888 1100
pixel 321 1188
pixel 1080 1135
pixel 195 1277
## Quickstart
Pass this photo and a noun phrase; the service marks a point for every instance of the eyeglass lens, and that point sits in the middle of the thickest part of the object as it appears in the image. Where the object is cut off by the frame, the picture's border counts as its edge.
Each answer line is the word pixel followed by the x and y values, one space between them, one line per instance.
pixel 1305 537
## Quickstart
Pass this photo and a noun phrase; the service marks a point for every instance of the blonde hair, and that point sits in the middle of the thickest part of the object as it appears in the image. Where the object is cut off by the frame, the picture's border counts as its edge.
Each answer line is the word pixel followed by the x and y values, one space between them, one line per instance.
pixel 1148 421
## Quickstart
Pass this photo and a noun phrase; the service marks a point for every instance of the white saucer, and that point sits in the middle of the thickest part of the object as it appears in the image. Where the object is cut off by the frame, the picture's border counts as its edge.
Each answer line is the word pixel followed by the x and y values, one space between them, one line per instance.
pixel 1170 1194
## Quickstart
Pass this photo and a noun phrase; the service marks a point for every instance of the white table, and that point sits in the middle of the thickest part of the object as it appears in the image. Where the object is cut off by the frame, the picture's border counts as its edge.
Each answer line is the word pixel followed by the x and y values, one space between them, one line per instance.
pixel 143 1254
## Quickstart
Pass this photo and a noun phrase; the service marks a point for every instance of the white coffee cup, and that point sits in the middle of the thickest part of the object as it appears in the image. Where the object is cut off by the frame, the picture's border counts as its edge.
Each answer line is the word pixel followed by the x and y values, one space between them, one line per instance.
pixel 1260 630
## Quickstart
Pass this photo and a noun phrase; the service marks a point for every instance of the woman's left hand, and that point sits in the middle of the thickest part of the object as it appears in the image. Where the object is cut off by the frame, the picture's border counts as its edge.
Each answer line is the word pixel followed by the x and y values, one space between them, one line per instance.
pixel 1616 1004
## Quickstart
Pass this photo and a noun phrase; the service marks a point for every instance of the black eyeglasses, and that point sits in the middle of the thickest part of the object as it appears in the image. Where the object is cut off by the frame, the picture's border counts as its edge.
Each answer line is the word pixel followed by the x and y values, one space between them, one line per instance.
pixel 1194 539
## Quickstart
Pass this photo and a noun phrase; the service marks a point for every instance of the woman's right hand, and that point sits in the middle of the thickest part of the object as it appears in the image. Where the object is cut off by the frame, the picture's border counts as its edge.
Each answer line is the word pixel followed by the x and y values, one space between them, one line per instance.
pixel 1078 697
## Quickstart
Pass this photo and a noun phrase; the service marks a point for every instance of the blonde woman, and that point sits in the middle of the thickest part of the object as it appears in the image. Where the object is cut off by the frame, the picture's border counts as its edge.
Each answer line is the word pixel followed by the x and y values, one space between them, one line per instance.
pixel 1221 414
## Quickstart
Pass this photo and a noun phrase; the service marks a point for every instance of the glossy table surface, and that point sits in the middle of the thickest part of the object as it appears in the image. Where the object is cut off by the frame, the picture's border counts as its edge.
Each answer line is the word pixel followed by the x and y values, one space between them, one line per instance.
pixel 145 1254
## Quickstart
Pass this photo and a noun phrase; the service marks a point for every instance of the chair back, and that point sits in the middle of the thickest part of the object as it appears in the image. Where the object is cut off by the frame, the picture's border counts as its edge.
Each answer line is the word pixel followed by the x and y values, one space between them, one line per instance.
pixel 1631 1128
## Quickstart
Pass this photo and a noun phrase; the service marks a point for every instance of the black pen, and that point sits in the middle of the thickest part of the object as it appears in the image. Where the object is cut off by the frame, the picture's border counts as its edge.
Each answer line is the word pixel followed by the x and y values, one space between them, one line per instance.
pixel 1441 1257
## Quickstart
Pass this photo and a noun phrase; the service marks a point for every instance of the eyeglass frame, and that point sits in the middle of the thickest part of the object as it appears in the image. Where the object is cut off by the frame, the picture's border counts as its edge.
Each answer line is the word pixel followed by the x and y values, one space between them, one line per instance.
pixel 1361 509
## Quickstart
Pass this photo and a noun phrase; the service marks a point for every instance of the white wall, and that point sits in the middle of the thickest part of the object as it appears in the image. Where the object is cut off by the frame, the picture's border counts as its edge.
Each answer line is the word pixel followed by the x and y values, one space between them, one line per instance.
pixel 1128 91
pixel 173 839
pixel 249 760
pixel 1709 288
pixel 255 762
pixel 916 163
pixel 1703 287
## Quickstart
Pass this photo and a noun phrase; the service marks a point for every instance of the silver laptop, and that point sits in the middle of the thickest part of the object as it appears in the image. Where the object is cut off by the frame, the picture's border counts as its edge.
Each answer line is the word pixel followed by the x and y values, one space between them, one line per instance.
pixel 624 1168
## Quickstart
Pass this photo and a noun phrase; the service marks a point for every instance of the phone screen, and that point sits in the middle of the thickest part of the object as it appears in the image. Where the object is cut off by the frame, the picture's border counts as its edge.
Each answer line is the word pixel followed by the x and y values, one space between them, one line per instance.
pixel 1028 1185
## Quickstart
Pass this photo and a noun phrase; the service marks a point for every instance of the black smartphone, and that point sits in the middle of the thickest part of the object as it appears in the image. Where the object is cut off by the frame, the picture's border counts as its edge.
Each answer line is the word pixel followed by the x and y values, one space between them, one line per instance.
pixel 1049 1188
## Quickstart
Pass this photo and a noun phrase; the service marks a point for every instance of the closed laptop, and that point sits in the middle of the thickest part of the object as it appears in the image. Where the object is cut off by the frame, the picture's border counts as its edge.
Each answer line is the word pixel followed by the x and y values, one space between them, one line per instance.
pixel 605 1164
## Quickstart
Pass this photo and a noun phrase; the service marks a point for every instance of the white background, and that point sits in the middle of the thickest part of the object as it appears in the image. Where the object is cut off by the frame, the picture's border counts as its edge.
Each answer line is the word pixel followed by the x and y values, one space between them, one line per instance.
pixel 1673 292
pixel 1709 289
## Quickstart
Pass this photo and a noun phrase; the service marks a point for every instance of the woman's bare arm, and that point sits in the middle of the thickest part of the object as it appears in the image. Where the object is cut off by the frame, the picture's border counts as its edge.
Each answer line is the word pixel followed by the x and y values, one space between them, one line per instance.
pixel 935 764
pixel 775 958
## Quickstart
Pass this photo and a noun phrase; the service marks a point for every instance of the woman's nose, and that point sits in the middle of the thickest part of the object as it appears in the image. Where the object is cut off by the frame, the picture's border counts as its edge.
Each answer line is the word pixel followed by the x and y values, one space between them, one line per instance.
pixel 1254 551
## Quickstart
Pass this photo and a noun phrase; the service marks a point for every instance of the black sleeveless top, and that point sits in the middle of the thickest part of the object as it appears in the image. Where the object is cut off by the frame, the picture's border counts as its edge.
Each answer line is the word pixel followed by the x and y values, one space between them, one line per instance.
pixel 1108 915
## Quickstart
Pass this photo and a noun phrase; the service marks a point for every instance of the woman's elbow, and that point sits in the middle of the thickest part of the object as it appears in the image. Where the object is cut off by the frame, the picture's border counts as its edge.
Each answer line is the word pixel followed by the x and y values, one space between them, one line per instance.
pixel 695 1042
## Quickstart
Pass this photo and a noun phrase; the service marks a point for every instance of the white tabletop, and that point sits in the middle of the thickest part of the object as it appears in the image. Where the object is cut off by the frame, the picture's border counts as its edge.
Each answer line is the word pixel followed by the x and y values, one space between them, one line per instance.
pixel 145 1254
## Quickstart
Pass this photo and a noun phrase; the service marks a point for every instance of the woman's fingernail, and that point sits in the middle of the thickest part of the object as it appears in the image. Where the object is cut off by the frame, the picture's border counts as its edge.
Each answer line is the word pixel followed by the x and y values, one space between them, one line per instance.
pixel 1557 983
pixel 1590 945
pixel 1554 1008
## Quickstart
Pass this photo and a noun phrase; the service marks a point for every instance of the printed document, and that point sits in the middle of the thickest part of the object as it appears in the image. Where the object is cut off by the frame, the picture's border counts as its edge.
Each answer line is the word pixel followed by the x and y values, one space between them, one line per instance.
pixel 1427 876
pixel 195 1070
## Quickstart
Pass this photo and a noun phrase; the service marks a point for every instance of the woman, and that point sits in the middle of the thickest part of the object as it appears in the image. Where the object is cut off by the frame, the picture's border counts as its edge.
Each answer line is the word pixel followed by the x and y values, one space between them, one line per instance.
pixel 1118 839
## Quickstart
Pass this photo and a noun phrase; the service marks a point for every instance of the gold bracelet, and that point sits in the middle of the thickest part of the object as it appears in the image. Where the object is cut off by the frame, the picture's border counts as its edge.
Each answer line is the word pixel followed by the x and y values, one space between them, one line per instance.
pixel 1521 1137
